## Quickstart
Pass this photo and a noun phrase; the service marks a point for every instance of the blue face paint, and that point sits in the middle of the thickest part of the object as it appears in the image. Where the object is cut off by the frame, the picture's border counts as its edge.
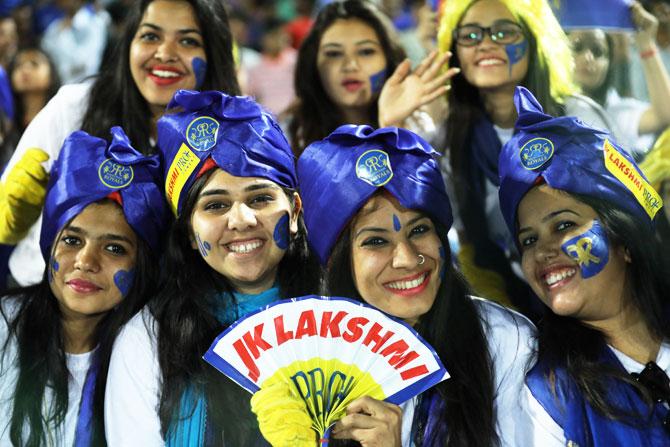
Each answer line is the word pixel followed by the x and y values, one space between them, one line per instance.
pixel 443 257
pixel 516 52
pixel 54 266
pixel 396 223
pixel 124 281
pixel 281 233
pixel 377 81
pixel 200 70
pixel 203 246
pixel 590 249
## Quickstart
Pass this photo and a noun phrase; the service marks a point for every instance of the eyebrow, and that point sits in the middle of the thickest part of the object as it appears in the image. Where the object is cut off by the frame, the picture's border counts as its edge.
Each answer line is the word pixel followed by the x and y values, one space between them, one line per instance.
pixel 250 188
pixel 549 217
pixel 360 42
pixel 105 236
pixel 181 31
pixel 385 230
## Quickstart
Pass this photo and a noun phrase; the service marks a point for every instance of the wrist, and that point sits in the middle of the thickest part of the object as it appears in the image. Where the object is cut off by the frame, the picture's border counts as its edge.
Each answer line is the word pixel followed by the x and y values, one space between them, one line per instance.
pixel 648 53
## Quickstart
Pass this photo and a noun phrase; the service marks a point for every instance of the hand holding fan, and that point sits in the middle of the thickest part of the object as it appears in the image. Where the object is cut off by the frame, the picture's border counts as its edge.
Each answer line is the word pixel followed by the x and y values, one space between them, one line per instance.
pixel 312 356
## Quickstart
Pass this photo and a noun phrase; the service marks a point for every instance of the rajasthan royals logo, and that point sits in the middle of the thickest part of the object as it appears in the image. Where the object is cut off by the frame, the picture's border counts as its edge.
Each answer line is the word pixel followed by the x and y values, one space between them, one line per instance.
pixel 536 152
pixel 374 167
pixel 202 132
pixel 115 175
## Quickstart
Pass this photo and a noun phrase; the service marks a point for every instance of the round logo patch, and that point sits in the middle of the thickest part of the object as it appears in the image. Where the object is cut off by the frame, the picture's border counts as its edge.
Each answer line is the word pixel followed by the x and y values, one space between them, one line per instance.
pixel 536 152
pixel 202 132
pixel 115 175
pixel 374 167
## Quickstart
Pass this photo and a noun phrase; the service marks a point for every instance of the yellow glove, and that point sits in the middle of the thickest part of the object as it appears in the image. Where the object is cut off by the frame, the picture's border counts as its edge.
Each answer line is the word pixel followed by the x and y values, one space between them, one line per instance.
pixel 485 283
pixel 22 196
pixel 282 416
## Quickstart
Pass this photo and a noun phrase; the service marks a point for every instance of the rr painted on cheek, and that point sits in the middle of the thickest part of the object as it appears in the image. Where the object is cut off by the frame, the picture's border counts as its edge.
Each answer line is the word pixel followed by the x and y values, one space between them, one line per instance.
pixel 281 233
pixel 377 81
pixel 516 52
pixel 204 247
pixel 200 70
pixel 123 279
pixel 590 249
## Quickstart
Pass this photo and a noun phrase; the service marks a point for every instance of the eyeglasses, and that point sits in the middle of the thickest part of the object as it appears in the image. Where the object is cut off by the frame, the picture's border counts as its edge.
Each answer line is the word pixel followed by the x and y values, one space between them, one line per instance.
pixel 502 32
pixel 657 383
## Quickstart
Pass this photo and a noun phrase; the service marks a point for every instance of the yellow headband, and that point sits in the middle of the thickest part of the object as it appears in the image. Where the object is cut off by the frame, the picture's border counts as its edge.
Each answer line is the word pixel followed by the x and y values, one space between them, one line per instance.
pixel 656 165
pixel 553 49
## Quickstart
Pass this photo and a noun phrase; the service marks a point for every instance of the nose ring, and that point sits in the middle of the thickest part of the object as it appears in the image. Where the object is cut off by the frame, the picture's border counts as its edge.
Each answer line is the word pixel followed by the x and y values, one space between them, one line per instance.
pixel 422 259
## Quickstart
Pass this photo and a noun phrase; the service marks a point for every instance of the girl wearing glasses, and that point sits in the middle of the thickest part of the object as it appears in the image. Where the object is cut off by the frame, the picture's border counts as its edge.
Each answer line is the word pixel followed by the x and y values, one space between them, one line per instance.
pixel 498 45
pixel 635 122
pixel 351 69
pixel 583 217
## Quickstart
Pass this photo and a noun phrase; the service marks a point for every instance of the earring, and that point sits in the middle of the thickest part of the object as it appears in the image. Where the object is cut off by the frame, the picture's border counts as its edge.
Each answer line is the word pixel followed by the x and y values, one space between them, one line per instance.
pixel 422 259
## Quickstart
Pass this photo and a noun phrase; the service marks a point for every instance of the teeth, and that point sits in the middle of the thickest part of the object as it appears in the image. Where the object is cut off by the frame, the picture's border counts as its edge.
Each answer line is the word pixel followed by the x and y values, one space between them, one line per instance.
pixel 487 62
pixel 165 74
pixel 404 285
pixel 558 276
pixel 244 247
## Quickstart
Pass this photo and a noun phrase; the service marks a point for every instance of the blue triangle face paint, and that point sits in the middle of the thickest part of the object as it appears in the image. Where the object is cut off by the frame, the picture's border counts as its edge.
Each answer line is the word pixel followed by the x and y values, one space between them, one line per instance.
pixel 281 233
pixel 590 249
pixel 200 70
pixel 516 52
pixel 124 281
pixel 377 81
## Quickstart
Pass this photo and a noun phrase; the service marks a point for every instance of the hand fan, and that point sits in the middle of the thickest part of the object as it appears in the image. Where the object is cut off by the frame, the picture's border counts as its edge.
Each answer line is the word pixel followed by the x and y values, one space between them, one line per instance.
pixel 327 351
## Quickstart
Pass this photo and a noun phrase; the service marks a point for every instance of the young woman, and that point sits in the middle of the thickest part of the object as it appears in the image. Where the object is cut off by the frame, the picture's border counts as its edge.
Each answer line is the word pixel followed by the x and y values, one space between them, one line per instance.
pixel 583 216
pixel 498 44
pixel 635 122
pixel 350 69
pixel 238 244
pixel 101 238
pixel 34 82
pixel 378 214
pixel 167 45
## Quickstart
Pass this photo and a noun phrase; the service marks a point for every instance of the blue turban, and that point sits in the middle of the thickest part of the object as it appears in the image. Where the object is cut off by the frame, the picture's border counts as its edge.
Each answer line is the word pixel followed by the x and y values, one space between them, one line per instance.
pixel 88 170
pixel 572 157
pixel 341 172
pixel 241 138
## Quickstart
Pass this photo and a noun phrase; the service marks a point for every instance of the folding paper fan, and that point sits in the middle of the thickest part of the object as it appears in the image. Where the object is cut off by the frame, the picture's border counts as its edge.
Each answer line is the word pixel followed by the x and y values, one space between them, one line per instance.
pixel 329 351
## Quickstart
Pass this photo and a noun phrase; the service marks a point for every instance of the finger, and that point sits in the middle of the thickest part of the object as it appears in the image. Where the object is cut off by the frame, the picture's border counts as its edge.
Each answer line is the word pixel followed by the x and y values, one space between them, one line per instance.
pixel 425 63
pixel 401 72
pixel 437 65
pixel 371 406
pixel 427 99
pixel 436 83
pixel 36 154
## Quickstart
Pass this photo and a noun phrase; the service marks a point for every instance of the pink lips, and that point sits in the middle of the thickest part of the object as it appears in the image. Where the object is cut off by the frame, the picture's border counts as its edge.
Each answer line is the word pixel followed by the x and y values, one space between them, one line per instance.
pixel 82 286
pixel 351 85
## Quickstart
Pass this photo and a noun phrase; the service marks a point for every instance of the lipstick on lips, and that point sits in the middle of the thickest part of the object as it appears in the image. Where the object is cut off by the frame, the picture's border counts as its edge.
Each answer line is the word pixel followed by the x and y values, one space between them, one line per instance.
pixel 165 75
pixel 83 286
pixel 352 85
pixel 409 286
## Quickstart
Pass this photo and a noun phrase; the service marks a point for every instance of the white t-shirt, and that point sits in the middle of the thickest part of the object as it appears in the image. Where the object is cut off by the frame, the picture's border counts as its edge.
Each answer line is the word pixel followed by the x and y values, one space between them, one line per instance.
pixel 47 131
pixel 77 365
pixel 134 379
pixel 547 433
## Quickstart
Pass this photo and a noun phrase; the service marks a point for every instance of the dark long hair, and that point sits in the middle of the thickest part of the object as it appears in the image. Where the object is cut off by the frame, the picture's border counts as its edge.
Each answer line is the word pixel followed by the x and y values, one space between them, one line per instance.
pixel 37 328
pixel 454 328
pixel 115 100
pixel 184 310
pixel 52 89
pixel 314 115
pixel 566 342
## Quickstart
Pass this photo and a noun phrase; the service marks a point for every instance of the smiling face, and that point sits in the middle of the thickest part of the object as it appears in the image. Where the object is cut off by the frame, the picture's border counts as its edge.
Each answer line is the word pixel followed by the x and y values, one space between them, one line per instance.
pixel 167 52
pixel 351 63
pixel 548 218
pixel 93 258
pixel 387 240
pixel 242 227
pixel 490 65
pixel 592 58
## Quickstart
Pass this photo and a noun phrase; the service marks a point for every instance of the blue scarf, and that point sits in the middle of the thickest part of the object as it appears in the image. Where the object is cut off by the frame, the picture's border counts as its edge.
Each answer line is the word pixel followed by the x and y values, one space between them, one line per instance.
pixel 83 435
pixel 190 428
pixel 582 424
